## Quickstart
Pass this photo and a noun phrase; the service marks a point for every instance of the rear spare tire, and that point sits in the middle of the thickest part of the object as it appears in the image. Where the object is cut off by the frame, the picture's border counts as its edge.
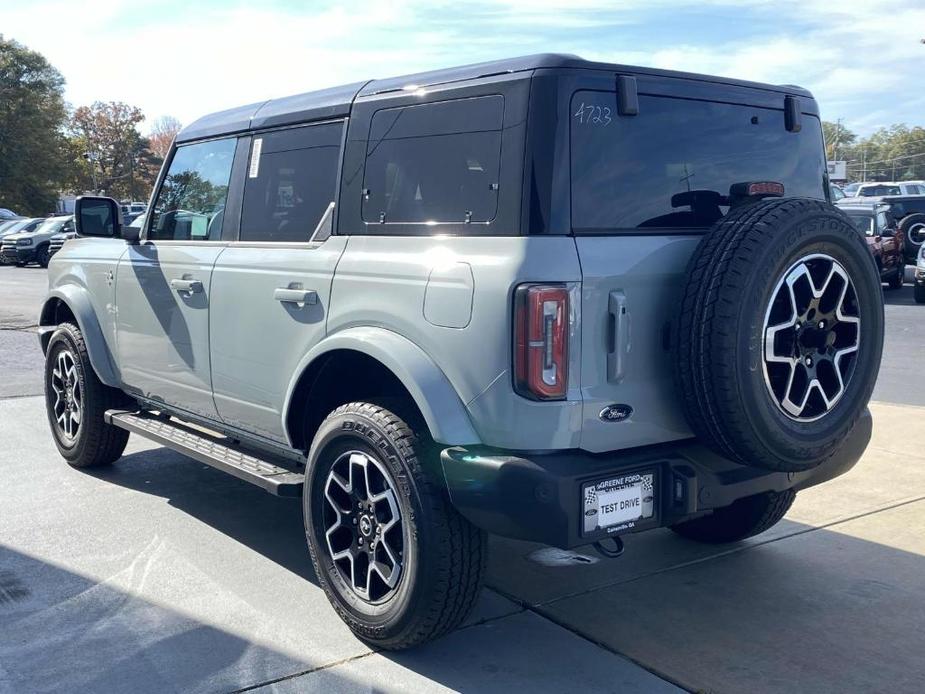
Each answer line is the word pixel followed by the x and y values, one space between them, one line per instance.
pixel 913 228
pixel 778 341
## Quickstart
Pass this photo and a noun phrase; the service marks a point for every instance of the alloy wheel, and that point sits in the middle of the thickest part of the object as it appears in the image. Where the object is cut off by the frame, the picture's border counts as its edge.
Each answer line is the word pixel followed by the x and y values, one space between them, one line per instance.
pixel 812 332
pixel 68 404
pixel 363 526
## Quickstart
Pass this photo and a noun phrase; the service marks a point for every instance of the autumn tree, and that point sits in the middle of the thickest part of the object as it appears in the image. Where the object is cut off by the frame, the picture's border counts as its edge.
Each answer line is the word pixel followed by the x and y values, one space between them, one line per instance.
pixel 162 134
pixel 32 120
pixel 113 157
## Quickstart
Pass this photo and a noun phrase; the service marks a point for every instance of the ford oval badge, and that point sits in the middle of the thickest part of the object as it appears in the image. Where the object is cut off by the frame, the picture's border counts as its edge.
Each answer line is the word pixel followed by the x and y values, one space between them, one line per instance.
pixel 616 413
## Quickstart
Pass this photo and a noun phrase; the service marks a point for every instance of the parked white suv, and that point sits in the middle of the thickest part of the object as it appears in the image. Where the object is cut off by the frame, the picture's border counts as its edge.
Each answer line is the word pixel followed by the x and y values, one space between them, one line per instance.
pixel 32 246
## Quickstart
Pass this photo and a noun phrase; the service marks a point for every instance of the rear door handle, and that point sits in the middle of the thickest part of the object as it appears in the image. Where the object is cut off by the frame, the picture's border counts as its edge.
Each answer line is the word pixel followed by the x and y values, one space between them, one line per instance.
pixel 186 285
pixel 619 337
pixel 288 295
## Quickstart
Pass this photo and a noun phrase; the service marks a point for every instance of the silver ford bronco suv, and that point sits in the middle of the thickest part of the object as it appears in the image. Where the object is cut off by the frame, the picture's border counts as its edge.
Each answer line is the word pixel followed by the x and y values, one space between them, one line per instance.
pixel 545 298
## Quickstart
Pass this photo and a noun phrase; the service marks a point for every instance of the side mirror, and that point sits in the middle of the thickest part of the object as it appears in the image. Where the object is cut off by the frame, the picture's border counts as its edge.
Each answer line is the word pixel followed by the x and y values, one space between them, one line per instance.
pixel 131 233
pixel 97 216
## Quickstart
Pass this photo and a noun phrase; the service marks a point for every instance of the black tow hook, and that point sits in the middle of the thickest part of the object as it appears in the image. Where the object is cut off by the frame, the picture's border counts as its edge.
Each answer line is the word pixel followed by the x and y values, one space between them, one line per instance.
pixel 610 552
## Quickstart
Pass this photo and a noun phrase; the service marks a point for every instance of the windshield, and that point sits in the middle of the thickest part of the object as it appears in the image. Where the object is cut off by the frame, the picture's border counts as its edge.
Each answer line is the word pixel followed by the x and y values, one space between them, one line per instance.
pixel 863 223
pixel 646 172
pixel 51 224
pixel 18 226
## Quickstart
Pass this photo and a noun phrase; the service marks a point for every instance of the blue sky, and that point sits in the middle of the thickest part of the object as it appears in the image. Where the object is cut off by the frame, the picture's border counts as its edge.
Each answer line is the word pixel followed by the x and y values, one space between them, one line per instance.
pixel 864 60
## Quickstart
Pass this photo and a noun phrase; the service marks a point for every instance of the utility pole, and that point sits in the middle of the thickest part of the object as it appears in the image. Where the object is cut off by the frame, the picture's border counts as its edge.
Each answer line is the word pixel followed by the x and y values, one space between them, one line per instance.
pixel 837 138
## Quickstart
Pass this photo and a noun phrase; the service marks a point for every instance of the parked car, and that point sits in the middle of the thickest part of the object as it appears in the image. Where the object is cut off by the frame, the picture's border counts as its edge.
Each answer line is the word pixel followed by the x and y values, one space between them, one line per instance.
pixel 919 287
pixel 911 187
pixel 909 213
pixel 873 190
pixel 56 243
pixel 17 226
pixel 836 192
pixel 884 240
pixel 412 306
pixel 7 214
pixel 851 189
pixel 32 246
pixel 132 208
pixel 7 224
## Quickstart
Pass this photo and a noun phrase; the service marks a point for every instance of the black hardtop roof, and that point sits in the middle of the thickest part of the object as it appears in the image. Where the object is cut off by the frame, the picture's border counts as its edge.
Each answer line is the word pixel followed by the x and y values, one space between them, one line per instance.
pixel 335 102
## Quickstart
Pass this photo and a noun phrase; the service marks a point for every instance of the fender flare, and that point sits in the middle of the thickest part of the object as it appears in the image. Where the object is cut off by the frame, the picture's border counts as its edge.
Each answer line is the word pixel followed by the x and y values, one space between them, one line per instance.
pixel 438 401
pixel 78 301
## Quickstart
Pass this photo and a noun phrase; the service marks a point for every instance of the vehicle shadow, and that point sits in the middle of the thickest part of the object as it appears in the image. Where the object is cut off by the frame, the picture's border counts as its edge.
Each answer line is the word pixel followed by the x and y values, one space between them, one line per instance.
pixel 266 524
pixel 793 613
pixel 61 631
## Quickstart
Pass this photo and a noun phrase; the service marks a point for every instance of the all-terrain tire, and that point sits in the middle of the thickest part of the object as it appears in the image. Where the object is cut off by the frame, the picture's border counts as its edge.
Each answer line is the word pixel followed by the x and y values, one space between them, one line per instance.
pixel 744 518
pixel 719 334
pixel 443 555
pixel 94 443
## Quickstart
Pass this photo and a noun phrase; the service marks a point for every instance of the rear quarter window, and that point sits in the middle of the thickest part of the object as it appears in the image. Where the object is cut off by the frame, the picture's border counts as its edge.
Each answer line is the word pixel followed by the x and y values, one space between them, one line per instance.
pixel 672 165
pixel 433 164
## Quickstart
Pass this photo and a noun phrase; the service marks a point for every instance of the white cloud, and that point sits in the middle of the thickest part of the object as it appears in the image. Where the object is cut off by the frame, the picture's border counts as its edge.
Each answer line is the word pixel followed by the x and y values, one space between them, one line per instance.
pixel 862 60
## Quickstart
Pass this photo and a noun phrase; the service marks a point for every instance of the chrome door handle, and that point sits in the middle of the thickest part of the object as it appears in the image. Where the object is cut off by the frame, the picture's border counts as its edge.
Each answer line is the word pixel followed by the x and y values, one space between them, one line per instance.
pixel 186 285
pixel 295 296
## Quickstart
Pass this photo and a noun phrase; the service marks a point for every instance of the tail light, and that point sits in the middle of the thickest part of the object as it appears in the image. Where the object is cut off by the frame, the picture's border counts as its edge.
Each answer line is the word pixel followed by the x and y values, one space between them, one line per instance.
pixel 541 331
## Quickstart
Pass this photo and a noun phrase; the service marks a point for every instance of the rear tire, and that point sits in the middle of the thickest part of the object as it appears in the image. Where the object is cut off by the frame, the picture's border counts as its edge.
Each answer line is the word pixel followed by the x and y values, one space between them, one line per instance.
pixel 779 334
pixel 75 401
pixel 744 518
pixel 373 496
pixel 913 229
pixel 918 293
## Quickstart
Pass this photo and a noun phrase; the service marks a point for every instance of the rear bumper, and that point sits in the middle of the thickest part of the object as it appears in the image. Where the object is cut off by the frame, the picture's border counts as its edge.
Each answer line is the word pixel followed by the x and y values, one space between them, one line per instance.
pixel 538 497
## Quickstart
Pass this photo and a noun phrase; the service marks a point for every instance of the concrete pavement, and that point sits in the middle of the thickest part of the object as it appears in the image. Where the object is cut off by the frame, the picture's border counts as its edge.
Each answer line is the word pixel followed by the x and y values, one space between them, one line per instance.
pixel 161 574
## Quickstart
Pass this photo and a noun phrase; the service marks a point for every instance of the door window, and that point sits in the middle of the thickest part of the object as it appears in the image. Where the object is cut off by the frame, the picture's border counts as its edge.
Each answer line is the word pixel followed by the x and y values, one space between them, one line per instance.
pixel 190 205
pixel 434 163
pixel 290 183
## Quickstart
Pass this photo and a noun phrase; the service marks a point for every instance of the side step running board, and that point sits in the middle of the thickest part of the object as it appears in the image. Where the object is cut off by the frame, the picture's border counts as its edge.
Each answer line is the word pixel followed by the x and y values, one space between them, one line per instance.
pixel 210 449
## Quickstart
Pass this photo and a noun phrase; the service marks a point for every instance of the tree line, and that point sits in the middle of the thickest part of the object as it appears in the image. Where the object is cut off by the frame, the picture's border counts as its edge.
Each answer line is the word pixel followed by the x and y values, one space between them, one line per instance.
pixel 896 153
pixel 49 148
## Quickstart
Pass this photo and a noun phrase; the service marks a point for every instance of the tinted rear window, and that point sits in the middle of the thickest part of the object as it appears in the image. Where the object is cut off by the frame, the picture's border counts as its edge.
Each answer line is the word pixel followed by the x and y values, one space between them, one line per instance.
pixel 434 163
pixel 672 165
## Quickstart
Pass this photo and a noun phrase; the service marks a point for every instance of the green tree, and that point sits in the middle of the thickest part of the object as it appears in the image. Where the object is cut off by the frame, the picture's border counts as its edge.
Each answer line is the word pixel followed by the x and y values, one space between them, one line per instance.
pixel 838 140
pixel 32 119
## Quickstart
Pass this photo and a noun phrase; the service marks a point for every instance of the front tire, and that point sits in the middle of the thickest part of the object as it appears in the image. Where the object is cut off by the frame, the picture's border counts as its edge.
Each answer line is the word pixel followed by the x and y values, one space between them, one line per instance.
pixel 42 257
pixel 744 518
pixel 75 401
pixel 396 560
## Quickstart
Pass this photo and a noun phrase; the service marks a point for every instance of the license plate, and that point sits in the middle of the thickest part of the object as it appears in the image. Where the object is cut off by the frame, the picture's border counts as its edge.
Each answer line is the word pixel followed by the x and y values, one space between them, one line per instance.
pixel 618 503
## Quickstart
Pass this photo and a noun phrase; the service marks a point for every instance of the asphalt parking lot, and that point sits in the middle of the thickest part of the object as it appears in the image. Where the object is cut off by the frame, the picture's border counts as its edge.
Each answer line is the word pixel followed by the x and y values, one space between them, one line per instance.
pixel 162 575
